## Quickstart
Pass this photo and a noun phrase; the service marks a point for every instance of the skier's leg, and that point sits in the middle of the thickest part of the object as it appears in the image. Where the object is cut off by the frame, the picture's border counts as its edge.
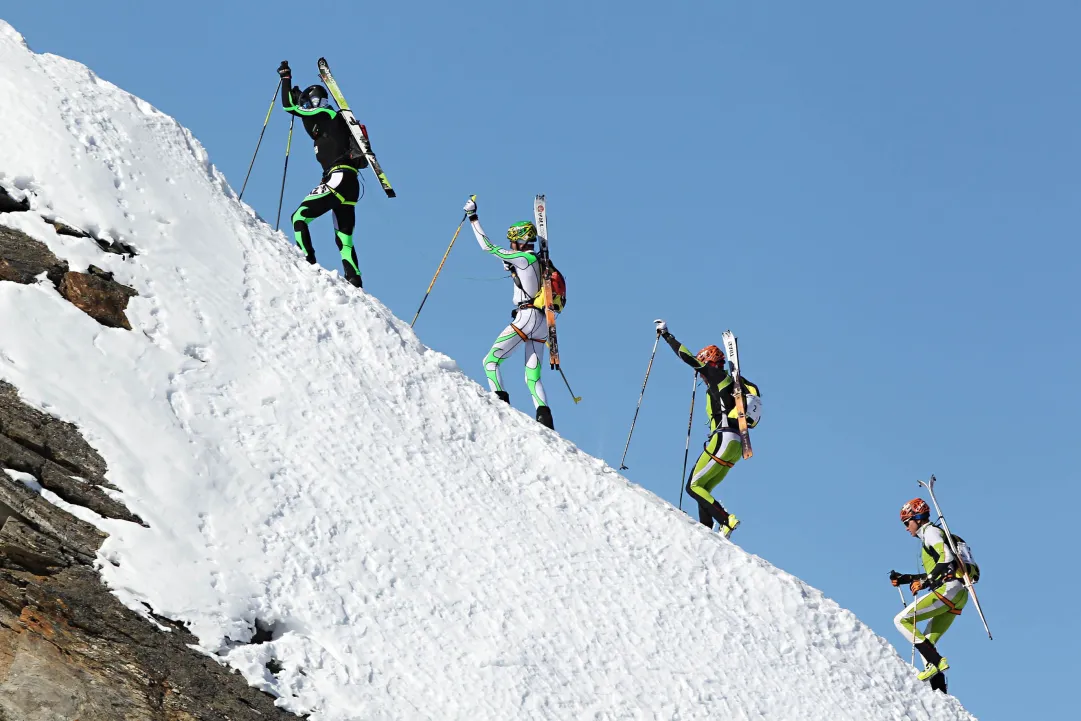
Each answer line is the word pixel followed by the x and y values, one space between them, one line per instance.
pixel 705 514
pixel 534 327
pixel 915 613
pixel 939 607
pixel 319 201
pixel 721 452
pixel 941 623
pixel 344 220
pixel 534 356
pixel 504 345
pixel 346 188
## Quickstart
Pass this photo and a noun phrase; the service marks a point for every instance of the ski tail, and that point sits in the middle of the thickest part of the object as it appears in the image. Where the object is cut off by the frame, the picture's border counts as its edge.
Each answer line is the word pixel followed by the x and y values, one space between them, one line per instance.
pixel 540 215
pixel 358 131
pixel 732 351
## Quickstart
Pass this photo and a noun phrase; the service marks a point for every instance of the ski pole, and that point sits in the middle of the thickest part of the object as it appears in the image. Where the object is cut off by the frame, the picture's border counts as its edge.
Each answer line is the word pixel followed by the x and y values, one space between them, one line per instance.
pixel 930 486
pixel 901 593
pixel 265 121
pixel 623 467
pixel 288 145
pixel 440 268
pixel 687 448
pixel 576 398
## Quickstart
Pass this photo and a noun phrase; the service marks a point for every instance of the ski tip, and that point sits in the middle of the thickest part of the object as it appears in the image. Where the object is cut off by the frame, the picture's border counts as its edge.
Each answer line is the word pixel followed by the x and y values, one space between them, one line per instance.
pixel 391 193
pixel 322 61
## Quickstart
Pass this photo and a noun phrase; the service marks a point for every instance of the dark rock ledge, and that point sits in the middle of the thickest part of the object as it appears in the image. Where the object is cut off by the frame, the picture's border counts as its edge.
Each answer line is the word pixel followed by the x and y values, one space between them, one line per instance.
pixel 23 259
pixel 68 648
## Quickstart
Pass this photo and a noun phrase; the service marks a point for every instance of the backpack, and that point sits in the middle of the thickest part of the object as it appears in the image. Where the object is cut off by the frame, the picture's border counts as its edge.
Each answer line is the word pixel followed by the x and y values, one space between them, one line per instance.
pixel 559 290
pixel 964 554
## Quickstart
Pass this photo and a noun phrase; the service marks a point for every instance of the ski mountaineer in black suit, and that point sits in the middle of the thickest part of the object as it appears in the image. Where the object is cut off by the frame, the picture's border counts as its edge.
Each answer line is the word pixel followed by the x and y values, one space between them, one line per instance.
pixel 339 188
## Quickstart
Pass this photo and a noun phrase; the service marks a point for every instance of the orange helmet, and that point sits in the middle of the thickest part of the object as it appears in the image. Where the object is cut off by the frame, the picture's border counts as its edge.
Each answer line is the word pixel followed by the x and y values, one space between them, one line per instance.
pixel 915 509
pixel 711 354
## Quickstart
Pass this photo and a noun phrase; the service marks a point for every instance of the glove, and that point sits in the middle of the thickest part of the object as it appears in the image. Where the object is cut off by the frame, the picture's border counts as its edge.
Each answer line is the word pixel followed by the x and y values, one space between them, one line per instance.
pixel 470 208
pixel 284 71
pixel 662 327
pixel 898 578
pixel 917 584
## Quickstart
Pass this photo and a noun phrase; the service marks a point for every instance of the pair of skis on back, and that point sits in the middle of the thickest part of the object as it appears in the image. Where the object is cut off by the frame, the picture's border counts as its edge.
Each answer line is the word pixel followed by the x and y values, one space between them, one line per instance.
pixel 732 351
pixel 358 131
pixel 540 216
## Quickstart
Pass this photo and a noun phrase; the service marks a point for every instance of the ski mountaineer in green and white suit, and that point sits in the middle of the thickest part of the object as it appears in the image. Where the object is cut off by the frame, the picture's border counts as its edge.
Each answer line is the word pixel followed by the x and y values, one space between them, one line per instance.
pixel 723 448
pixel 528 326
pixel 947 597
pixel 339 189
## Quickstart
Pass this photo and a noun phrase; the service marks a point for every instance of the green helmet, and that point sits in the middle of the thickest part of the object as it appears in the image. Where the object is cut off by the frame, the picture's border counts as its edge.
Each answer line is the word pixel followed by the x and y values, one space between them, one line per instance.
pixel 524 232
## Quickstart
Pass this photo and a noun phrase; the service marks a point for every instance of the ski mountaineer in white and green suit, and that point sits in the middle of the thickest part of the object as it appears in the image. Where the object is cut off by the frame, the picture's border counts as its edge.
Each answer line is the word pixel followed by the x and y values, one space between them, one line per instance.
pixel 947 597
pixel 529 326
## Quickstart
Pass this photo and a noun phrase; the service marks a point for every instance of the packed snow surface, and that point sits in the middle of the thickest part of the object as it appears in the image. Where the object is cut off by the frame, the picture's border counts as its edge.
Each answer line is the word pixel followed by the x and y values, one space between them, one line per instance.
pixel 420 549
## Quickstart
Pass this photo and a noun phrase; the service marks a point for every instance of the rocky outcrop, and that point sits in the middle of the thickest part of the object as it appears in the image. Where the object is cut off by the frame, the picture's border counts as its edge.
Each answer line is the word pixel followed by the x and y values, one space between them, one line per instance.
pixel 99 296
pixel 23 260
pixel 9 204
pixel 109 246
pixel 68 648
pixel 56 455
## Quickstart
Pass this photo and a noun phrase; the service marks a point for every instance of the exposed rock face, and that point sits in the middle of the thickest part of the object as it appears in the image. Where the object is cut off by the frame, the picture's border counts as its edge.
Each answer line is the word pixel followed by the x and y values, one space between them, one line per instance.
pixel 99 296
pixel 68 649
pixel 54 453
pixel 23 259
pixel 9 204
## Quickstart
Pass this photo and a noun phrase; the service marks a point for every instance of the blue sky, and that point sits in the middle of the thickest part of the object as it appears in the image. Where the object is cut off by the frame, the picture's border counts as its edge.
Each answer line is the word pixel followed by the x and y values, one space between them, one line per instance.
pixel 881 200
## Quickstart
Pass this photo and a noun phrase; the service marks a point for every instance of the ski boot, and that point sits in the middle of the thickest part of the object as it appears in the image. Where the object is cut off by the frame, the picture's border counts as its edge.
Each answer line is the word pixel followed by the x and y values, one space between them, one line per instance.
pixel 731 525
pixel 932 669
pixel 544 416
pixel 503 396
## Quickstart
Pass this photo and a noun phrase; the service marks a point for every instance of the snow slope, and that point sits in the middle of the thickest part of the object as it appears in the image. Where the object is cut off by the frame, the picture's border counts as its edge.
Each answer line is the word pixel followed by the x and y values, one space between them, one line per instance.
pixel 421 549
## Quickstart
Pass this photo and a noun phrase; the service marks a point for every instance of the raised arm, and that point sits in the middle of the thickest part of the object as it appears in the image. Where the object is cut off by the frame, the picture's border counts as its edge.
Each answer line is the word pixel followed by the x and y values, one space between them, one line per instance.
pixel 678 348
pixel 291 95
pixel 516 258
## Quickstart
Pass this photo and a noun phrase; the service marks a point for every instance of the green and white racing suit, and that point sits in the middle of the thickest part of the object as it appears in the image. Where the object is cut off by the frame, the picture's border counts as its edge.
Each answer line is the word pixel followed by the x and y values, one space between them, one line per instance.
pixel 528 326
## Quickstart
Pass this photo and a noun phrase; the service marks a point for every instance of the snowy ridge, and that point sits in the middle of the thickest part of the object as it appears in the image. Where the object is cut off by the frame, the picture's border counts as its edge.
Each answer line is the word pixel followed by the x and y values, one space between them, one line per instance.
pixel 421 549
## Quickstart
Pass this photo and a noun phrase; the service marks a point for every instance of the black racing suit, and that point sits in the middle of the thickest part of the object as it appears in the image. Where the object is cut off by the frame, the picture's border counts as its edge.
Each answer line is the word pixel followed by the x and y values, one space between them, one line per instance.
pixel 339 188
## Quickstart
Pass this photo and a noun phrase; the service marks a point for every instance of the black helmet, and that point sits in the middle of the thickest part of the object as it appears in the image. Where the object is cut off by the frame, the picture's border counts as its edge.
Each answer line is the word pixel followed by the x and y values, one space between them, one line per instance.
pixel 315 96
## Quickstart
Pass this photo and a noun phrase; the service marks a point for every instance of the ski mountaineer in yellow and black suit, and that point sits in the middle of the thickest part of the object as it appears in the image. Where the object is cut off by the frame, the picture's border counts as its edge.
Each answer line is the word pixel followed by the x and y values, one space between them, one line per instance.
pixel 723 448
pixel 339 188
pixel 944 577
